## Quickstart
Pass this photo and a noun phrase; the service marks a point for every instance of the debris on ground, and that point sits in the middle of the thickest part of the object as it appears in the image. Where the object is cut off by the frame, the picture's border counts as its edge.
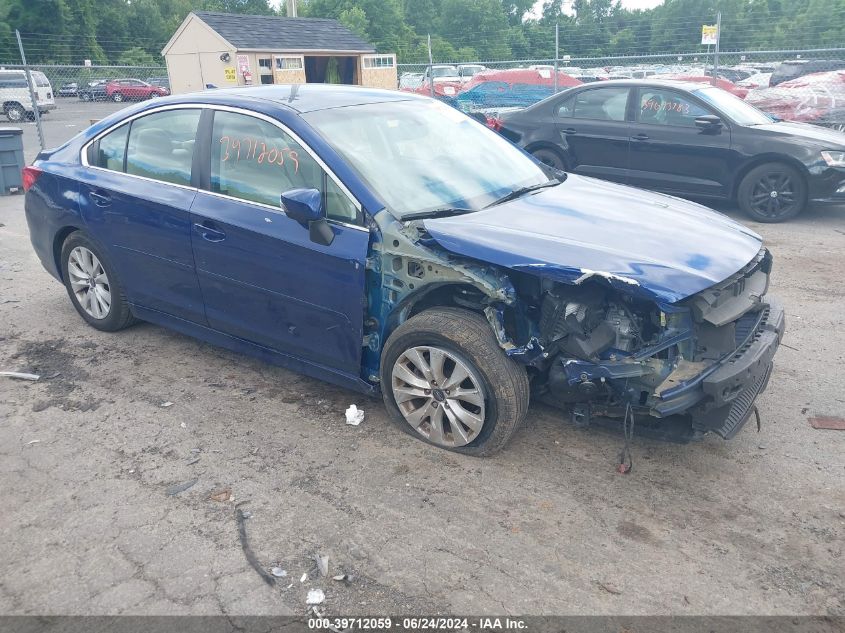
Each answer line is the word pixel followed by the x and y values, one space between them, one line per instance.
pixel 55 374
pixel 304 578
pixel 193 461
pixel 322 564
pixel 609 588
pixel 19 375
pixel 315 596
pixel 183 425
pixel 164 405
pixel 343 578
pixel 354 415
pixel 247 514
pixel 222 495
pixel 827 423
pixel 31 442
pixel 248 553
pixel 278 572
pixel 175 489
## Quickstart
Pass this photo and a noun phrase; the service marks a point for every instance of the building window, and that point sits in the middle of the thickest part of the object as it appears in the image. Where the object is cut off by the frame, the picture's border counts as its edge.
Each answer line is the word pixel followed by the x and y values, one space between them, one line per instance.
pixel 265 65
pixel 379 61
pixel 288 63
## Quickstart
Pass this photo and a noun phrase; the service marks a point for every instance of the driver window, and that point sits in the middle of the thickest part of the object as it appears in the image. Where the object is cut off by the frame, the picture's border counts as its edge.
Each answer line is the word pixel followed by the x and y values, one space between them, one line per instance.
pixel 256 161
pixel 667 107
pixel 602 104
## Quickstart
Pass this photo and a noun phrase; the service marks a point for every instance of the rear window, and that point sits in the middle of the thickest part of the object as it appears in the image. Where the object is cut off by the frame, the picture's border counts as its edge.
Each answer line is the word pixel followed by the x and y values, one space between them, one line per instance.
pixel 12 80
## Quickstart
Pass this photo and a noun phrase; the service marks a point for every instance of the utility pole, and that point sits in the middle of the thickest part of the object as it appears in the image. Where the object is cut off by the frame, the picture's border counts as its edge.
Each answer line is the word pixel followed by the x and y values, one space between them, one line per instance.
pixel 716 52
pixel 430 68
pixel 557 51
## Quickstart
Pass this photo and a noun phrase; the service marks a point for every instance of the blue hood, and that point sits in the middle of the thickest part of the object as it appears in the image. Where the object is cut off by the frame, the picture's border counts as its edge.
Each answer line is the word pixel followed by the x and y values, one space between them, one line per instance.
pixel 649 244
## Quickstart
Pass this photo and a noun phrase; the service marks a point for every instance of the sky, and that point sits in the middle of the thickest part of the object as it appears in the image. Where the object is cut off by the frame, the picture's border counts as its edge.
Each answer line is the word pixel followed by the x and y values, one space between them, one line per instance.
pixel 628 4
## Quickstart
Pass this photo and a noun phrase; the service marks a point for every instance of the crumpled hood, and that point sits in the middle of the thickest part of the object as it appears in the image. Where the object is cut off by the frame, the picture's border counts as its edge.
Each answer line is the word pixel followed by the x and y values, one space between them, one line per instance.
pixel 644 243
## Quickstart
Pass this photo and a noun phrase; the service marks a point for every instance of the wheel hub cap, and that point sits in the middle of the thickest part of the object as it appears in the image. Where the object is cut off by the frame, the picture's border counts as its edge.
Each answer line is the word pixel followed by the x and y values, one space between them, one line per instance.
pixel 439 395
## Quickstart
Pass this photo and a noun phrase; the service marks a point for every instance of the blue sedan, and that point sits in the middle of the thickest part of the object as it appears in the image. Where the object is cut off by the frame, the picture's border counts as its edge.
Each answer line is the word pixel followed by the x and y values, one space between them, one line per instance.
pixel 388 243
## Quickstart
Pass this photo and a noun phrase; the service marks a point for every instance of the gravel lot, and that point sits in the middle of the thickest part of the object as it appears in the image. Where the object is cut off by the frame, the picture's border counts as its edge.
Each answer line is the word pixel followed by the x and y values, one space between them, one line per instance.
pixel 751 526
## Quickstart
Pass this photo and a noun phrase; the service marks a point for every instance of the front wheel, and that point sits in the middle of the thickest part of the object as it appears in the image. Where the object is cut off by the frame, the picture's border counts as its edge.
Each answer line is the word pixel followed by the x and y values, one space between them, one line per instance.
pixel 93 285
pixel 117 97
pixel 445 380
pixel 773 192
pixel 85 97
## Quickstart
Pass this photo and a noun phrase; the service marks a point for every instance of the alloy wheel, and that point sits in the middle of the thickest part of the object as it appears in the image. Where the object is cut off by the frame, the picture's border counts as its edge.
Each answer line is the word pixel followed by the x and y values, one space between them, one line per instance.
pixel 89 282
pixel 14 113
pixel 774 195
pixel 439 395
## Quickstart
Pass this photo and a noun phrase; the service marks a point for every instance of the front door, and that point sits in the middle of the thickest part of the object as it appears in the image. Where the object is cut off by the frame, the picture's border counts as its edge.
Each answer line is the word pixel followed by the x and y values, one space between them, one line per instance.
pixel 594 133
pixel 136 201
pixel 670 153
pixel 262 278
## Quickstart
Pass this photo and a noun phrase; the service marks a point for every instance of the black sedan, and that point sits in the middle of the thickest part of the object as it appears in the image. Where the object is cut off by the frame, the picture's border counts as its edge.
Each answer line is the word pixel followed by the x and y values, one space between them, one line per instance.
pixel 685 139
pixel 94 91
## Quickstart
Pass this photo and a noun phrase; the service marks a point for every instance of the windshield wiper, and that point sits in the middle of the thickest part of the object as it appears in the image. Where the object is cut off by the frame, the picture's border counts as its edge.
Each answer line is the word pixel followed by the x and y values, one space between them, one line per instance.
pixel 437 213
pixel 518 193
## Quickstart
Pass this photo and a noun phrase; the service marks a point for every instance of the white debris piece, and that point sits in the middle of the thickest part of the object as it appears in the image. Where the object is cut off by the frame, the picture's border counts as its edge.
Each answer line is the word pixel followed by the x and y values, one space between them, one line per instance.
pixel 164 405
pixel 278 572
pixel 33 377
pixel 322 564
pixel 304 578
pixel 315 596
pixel 354 415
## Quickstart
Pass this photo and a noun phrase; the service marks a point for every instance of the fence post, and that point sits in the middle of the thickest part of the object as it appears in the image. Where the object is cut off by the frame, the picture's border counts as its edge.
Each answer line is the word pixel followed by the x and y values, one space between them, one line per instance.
pixel 430 68
pixel 716 52
pixel 35 111
pixel 557 50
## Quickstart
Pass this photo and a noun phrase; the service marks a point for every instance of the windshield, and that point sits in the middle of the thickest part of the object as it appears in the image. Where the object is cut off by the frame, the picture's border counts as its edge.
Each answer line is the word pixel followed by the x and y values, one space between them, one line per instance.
pixel 423 155
pixel 444 71
pixel 734 107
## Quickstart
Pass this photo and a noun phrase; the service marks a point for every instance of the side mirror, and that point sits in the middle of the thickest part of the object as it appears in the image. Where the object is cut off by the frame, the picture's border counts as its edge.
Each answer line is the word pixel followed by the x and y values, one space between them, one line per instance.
pixel 306 207
pixel 708 122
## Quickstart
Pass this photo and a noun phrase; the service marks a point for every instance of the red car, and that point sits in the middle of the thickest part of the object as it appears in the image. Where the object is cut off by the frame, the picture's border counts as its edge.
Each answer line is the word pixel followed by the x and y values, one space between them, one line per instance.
pixel 133 90
pixel 817 98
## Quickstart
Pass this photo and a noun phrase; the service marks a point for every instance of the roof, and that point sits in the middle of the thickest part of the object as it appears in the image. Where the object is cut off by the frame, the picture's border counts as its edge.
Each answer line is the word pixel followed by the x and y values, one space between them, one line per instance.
pixel 301 98
pixel 262 32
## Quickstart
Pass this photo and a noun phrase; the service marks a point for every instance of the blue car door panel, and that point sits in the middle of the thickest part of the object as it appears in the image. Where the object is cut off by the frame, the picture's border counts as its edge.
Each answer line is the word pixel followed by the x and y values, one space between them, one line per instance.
pixel 262 278
pixel 142 219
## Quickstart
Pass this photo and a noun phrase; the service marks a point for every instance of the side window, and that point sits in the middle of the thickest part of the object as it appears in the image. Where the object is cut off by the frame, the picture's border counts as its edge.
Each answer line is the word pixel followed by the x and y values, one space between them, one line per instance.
pixel 602 104
pixel 161 146
pixel 566 108
pixel 256 161
pixel 111 149
pixel 667 107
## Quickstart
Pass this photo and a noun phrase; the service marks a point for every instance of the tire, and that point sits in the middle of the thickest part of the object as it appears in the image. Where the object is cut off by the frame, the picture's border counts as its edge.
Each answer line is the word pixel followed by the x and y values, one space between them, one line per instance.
pixel 498 385
pixel 15 112
pixel 118 315
pixel 85 97
pixel 117 97
pixel 550 157
pixel 773 192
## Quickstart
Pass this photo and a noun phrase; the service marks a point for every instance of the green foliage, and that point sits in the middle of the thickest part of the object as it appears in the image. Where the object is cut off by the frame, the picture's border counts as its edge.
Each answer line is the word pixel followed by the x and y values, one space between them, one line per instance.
pixel 135 31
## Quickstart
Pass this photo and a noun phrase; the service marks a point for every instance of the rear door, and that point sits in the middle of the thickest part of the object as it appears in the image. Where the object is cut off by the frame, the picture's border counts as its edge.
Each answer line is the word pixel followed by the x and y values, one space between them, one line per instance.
pixel 136 198
pixel 262 278
pixel 670 153
pixel 593 130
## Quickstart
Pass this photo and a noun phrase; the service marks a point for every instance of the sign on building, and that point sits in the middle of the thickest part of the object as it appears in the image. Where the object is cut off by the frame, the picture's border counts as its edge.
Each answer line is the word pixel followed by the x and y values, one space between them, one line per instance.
pixel 709 34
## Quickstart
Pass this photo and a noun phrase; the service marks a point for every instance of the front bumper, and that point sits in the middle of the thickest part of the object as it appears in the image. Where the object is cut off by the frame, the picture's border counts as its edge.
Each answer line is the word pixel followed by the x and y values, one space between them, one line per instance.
pixel 827 185
pixel 721 398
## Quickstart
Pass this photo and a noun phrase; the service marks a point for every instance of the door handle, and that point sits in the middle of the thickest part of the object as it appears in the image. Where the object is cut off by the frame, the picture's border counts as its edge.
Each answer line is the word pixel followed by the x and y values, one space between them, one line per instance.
pixel 209 234
pixel 639 137
pixel 569 131
pixel 100 199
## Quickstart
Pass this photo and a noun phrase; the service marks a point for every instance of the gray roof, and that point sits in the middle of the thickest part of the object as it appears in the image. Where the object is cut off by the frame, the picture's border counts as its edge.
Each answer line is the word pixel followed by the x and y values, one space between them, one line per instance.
pixel 271 33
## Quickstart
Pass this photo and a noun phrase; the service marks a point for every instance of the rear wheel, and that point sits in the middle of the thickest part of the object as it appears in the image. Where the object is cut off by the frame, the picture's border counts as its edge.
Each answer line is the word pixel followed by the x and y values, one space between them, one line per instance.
pixel 14 112
pixel 773 192
pixel 445 380
pixel 117 97
pixel 549 157
pixel 84 96
pixel 93 285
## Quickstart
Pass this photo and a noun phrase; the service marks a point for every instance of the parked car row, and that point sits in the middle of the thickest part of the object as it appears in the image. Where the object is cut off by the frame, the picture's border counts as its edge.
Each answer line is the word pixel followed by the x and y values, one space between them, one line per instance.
pixel 121 90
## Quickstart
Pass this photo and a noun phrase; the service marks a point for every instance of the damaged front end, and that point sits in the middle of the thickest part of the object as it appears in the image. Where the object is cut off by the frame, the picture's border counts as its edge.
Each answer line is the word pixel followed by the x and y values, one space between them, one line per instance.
pixel 685 369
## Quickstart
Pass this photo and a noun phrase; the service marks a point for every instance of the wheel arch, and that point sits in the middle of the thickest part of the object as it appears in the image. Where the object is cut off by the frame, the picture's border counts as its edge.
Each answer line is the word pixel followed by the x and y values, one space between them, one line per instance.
pixel 764 159
pixel 532 147
pixel 58 243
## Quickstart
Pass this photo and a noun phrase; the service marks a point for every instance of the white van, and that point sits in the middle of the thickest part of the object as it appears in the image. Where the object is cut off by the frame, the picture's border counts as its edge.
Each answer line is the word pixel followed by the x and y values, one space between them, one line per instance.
pixel 14 94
